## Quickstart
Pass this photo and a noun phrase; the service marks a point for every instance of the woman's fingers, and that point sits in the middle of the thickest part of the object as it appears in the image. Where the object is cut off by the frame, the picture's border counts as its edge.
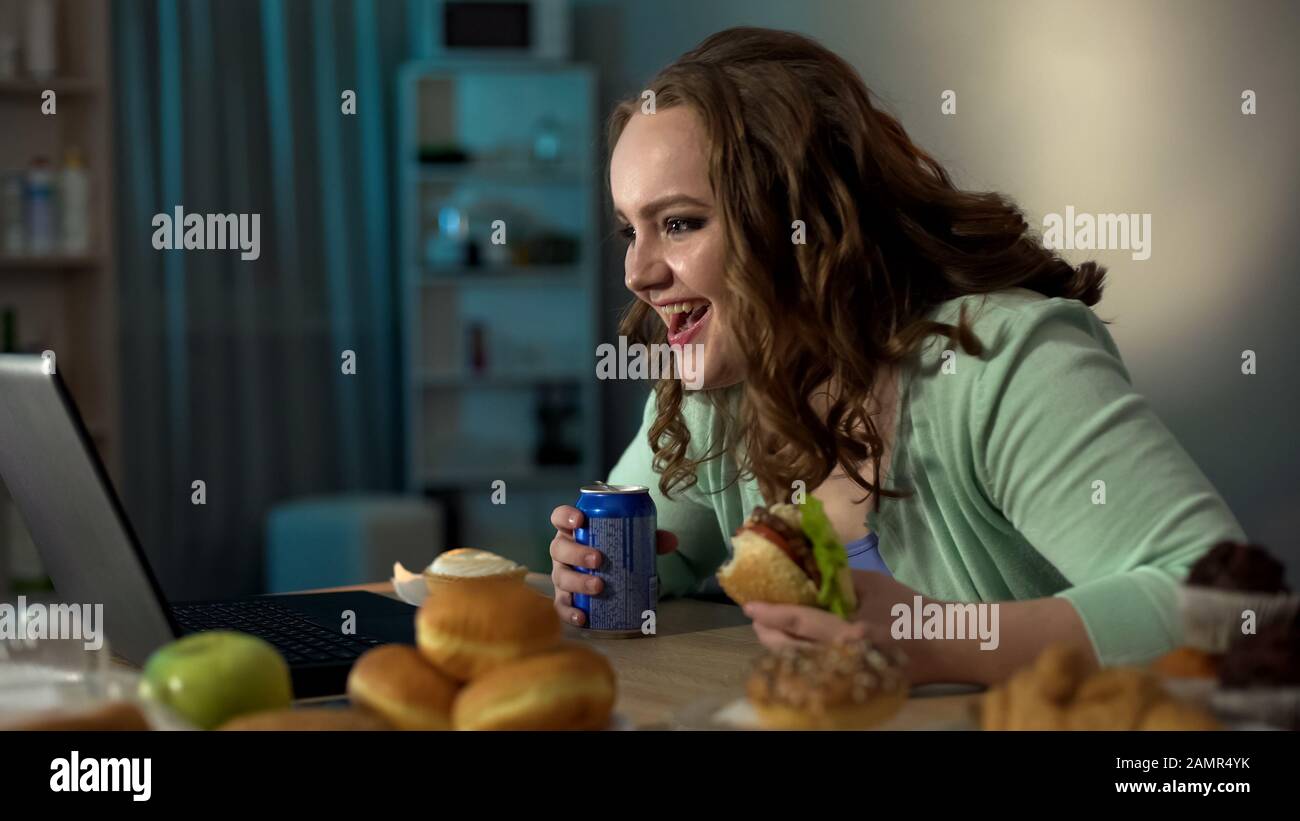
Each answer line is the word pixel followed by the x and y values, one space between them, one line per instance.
pixel 665 542
pixel 806 623
pixel 566 517
pixel 774 639
pixel 565 555
pixel 567 612
pixel 571 581
pixel 566 551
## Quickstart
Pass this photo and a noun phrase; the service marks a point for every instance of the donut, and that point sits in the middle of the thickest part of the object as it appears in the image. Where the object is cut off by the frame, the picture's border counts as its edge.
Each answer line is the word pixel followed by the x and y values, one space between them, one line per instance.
pixel 467 630
pixel 395 682
pixel 309 718
pixel 567 688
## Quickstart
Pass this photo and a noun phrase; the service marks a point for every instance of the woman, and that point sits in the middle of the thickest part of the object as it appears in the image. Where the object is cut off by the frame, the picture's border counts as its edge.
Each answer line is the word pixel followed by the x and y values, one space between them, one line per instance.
pixel 904 351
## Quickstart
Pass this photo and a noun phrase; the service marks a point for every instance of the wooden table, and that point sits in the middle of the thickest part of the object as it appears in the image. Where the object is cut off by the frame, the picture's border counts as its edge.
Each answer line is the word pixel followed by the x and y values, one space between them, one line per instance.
pixel 702 651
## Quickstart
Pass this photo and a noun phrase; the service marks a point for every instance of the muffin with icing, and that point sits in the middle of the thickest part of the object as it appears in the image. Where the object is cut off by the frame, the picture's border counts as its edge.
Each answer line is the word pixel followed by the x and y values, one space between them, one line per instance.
pixel 468 564
pixel 1259 677
pixel 1232 586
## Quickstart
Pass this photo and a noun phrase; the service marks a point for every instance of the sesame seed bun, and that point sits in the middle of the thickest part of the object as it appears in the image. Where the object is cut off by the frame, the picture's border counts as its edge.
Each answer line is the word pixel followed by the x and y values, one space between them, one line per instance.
pixel 395 682
pixel 761 571
pixel 569 688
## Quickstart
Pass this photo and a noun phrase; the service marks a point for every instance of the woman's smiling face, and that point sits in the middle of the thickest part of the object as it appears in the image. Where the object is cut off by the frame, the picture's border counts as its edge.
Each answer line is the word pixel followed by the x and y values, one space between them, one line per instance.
pixel 659 178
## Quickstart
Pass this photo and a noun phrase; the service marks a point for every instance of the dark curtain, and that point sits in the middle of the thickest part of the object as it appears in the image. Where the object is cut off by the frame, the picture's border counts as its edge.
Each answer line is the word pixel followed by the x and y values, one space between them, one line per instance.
pixel 232 369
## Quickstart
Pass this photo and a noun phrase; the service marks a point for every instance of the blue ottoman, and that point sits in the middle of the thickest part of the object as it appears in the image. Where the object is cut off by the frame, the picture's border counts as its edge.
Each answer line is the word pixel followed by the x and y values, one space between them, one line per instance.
pixel 331 541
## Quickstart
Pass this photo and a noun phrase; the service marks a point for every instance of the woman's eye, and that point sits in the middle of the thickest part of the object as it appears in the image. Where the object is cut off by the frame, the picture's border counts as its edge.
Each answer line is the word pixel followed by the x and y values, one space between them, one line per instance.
pixel 677 225
pixel 627 232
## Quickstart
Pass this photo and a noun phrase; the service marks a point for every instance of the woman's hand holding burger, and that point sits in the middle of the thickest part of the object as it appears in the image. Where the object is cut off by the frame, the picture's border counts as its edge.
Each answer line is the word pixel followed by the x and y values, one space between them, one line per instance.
pixel 566 554
pixel 791 575
pixel 780 625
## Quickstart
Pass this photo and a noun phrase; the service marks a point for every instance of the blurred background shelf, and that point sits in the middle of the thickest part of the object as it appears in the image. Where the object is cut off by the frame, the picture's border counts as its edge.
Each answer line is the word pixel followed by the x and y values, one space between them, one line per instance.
pixel 64 302
pixel 490 173
pixel 464 477
pixel 498 275
pixel 499 337
pixel 59 85
pixel 499 379
pixel 52 262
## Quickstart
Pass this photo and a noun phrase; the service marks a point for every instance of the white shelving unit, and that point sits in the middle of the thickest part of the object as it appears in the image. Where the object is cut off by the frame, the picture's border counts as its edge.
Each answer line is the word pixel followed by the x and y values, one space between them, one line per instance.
pixel 471 420
pixel 67 303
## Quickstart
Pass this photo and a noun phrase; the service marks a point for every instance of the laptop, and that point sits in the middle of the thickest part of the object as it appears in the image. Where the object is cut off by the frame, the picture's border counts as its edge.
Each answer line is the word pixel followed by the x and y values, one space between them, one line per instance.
pixel 92 555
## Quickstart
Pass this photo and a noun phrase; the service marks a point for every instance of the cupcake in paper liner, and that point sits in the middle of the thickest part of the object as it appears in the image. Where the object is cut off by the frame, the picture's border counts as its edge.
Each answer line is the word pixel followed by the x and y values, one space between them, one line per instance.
pixel 1259 677
pixel 1225 583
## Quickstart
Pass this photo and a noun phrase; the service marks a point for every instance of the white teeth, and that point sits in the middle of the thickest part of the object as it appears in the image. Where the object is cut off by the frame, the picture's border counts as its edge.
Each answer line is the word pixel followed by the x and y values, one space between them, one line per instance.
pixel 678 308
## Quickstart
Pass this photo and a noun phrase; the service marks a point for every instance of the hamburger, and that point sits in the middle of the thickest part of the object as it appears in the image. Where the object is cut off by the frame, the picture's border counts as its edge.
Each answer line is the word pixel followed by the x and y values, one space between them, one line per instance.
pixel 789 554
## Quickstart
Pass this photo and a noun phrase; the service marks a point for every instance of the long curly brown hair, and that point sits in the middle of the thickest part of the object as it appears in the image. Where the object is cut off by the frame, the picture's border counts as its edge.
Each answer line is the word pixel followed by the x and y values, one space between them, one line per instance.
pixel 794 135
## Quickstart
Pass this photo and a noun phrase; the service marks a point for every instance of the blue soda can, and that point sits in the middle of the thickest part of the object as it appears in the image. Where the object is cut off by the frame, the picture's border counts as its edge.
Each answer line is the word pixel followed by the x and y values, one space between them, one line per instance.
pixel 620 523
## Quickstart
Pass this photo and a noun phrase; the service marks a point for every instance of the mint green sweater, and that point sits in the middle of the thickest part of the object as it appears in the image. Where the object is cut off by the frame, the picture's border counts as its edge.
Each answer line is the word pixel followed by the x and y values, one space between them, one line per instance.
pixel 1005 454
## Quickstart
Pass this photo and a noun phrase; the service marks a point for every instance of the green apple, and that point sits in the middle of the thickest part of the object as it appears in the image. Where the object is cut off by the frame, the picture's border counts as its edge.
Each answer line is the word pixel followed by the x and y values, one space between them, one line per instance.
pixel 211 677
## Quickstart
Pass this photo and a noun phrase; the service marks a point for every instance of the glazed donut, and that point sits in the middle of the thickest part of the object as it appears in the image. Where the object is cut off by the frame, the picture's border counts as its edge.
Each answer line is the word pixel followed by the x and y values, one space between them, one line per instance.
pixel 467 630
pixel 309 718
pixel 395 682
pixel 569 688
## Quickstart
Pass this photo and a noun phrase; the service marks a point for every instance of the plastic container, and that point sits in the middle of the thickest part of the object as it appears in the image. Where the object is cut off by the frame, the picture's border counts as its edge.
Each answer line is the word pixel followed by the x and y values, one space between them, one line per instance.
pixel 40 48
pixel 74 205
pixel 38 208
pixel 13 236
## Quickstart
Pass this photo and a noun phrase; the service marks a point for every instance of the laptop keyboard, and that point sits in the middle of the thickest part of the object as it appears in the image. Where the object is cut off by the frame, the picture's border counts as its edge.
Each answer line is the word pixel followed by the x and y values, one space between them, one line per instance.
pixel 298 640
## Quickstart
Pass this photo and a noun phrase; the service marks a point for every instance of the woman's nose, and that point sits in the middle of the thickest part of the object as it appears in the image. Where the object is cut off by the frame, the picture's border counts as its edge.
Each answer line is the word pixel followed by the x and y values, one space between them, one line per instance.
pixel 645 269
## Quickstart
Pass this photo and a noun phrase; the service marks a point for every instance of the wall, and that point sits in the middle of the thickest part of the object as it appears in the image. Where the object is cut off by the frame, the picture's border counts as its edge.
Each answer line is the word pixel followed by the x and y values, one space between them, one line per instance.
pixel 1110 107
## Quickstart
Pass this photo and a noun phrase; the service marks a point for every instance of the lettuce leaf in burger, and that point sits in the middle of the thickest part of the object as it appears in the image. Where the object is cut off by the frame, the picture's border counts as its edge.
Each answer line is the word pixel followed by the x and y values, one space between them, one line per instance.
pixel 789 554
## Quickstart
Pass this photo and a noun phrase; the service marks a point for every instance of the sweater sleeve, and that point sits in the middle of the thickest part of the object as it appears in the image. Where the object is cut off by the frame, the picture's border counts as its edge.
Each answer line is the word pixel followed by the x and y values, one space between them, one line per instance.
pixel 700 547
pixel 1081 465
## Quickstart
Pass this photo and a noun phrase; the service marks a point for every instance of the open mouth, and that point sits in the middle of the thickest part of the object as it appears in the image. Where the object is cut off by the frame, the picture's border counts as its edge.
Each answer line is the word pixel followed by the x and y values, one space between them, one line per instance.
pixel 685 319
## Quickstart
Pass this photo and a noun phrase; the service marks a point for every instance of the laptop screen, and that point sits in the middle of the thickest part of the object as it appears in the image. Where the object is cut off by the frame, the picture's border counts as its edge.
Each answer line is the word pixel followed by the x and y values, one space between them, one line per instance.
pixel 68 504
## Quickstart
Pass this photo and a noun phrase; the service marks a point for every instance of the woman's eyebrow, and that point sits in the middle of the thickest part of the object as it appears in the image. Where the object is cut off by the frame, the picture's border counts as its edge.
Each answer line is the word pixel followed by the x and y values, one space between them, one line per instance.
pixel 667 201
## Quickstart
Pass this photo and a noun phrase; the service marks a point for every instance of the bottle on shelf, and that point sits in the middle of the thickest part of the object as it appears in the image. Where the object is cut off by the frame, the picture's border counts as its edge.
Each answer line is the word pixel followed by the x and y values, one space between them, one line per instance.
pixel 13 236
pixel 40 48
pixel 38 208
pixel 74 204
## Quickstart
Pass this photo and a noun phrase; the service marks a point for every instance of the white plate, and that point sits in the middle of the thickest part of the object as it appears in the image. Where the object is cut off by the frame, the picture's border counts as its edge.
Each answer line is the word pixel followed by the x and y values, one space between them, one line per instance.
pixel 731 713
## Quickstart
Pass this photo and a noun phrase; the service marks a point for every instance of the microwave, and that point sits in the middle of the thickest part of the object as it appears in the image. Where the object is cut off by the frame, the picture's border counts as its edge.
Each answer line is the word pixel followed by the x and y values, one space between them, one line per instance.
pixel 538 29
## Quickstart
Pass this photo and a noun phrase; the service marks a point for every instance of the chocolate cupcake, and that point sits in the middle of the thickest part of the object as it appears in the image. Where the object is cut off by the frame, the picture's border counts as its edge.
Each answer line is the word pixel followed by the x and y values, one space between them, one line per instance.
pixel 1226 582
pixel 1259 676
pixel 1245 567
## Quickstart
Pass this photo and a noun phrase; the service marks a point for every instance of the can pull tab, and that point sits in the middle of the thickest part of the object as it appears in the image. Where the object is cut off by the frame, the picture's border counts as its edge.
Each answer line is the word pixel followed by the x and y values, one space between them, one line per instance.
pixel 602 485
